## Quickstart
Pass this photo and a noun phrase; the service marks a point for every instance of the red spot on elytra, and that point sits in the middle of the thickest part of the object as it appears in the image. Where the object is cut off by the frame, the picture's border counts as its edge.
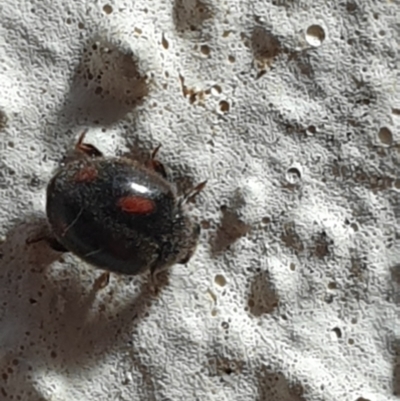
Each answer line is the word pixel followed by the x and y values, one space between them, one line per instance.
pixel 136 205
pixel 86 174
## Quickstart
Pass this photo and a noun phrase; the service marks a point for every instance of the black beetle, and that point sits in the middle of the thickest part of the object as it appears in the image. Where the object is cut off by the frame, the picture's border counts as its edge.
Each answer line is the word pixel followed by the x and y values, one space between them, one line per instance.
pixel 118 214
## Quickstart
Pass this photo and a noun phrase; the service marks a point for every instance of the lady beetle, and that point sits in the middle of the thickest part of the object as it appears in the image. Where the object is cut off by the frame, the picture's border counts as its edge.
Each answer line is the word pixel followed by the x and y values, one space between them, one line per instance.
pixel 118 214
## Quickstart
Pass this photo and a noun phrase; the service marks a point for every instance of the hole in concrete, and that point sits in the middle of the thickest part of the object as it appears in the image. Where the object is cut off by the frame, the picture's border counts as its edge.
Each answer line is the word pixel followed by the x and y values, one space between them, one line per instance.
pixel 205 50
pixel 107 9
pixel 224 106
pixel 164 42
pixel 220 280
pixel 337 332
pixel 385 136
pixel 293 175
pixel 315 35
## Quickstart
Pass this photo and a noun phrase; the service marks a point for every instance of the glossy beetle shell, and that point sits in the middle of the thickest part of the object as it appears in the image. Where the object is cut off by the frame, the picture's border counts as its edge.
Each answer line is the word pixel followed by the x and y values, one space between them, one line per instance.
pixel 119 215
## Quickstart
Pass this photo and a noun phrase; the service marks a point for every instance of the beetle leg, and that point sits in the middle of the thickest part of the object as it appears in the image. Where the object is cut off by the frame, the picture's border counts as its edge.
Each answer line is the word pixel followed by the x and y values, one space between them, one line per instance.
pixel 101 281
pixel 50 240
pixel 156 165
pixel 87 148
pixel 190 253
pixel 153 274
pixel 153 281
pixel 187 257
pixel 155 284
pixel 191 194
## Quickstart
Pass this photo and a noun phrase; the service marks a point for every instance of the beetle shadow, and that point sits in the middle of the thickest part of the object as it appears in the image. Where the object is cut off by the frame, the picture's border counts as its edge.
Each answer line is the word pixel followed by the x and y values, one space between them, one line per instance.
pixel 106 85
pixel 53 317
pixel 21 390
pixel 231 227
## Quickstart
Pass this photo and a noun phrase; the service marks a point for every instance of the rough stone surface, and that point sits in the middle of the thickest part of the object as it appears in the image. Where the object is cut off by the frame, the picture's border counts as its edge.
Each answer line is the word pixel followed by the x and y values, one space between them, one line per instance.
pixel 291 110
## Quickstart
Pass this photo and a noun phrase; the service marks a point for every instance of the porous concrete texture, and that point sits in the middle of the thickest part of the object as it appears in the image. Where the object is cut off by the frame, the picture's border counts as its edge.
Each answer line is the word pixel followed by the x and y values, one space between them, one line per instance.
pixel 291 110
